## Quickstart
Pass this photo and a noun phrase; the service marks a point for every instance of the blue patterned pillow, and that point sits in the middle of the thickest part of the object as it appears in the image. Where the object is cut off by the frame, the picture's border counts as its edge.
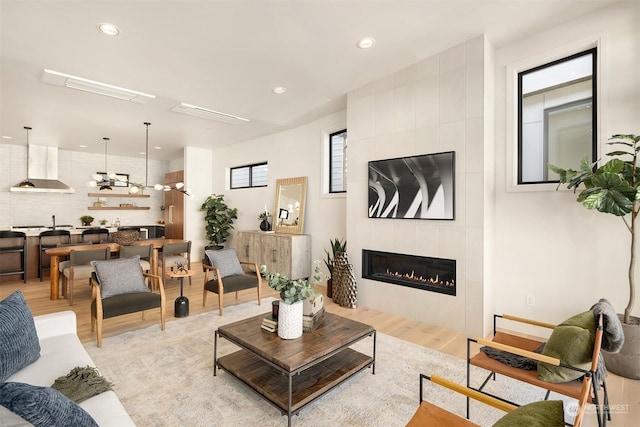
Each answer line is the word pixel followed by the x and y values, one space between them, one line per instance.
pixel 43 406
pixel 119 276
pixel 19 345
pixel 226 260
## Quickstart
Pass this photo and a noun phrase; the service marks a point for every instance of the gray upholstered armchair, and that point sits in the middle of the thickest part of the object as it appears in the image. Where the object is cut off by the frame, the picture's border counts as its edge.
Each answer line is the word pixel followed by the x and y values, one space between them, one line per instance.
pixel 228 275
pixel 118 287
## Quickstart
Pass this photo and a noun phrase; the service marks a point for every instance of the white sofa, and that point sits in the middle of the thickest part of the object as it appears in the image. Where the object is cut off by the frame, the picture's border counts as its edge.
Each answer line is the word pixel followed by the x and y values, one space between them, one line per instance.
pixel 61 351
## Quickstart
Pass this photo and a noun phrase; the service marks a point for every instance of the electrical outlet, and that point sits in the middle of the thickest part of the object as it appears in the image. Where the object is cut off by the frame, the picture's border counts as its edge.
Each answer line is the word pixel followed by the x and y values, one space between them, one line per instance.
pixel 530 300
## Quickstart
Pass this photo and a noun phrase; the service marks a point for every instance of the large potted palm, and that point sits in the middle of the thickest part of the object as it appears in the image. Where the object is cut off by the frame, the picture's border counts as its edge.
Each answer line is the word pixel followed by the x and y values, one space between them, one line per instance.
pixel 614 188
pixel 219 218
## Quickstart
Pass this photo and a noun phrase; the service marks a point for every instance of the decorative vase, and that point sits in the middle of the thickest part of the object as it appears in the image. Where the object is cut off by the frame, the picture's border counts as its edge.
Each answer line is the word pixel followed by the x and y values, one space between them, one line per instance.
pixel 290 320
pixel 626 362
pixel 265 225
pixel 345 292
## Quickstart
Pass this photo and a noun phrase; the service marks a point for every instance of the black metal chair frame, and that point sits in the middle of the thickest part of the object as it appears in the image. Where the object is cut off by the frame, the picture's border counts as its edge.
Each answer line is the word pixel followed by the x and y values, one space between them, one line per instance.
pixel 15 249
pixel 98 231
pixel 43 246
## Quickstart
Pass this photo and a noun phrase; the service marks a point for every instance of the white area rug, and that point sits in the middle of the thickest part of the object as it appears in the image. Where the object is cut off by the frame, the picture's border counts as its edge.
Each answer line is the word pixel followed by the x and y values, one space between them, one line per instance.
pixel 166 379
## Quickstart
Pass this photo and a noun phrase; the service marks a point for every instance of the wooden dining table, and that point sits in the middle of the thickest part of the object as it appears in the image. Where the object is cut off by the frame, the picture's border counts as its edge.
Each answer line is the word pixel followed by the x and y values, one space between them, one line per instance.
pixel 63 251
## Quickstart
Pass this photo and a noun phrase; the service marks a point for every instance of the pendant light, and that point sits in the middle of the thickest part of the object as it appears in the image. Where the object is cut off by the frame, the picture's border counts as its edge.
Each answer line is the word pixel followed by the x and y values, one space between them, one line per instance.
pixel 26 183
pixel 106 185
pixel 178 186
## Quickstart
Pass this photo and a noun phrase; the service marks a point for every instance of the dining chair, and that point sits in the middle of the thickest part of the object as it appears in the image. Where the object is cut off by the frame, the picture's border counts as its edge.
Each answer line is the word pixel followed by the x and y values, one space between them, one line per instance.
pixel 80 267
pixel 145 253
pixel 174 254
pixel 46 240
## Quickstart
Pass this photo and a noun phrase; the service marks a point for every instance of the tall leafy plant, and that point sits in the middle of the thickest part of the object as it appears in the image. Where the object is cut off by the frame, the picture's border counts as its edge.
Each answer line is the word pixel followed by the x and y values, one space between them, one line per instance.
pixel 612 188
pixel 219 218
pixel 337 246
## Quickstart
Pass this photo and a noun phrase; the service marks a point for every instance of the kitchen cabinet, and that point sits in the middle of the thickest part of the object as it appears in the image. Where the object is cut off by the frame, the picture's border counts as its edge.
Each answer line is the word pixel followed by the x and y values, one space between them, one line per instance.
pixel 121 195
pixel 288 254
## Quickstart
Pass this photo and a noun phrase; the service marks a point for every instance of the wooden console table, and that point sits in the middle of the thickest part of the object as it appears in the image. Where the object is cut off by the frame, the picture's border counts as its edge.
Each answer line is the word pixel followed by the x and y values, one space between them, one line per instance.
pixel 291 374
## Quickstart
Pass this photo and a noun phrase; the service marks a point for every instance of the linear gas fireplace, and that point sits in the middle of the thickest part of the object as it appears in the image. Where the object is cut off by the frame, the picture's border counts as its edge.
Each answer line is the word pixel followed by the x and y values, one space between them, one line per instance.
pixel 431 274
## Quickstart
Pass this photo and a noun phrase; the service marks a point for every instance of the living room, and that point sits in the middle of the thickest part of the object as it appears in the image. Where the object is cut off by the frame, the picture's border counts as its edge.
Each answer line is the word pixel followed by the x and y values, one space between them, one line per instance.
pixel 509 242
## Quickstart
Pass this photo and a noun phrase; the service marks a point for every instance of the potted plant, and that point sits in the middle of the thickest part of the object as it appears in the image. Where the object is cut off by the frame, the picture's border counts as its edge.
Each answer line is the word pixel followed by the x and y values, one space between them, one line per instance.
pixel 219 218
pixel 265 225
pixel 86 220
pixel 292 294
pixel 614 188
pixel 337 246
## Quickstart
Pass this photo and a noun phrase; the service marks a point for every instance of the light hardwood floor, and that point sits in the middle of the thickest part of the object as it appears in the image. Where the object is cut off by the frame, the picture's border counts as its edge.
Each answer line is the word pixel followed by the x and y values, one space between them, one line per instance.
pixel 624 393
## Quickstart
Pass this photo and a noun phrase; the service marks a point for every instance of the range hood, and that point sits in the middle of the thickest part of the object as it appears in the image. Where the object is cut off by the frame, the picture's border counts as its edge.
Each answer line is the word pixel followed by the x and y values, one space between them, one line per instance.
pixel 42 172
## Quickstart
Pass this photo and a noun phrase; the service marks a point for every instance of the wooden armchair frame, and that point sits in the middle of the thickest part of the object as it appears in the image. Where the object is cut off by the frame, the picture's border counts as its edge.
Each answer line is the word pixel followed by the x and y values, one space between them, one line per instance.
pixel 429 414
pixel 519 345
pixel 96 321
pixel 206 268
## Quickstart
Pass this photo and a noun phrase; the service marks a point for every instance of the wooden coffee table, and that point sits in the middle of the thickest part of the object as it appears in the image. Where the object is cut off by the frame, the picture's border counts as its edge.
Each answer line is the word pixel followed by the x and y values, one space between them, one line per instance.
pixel 290 374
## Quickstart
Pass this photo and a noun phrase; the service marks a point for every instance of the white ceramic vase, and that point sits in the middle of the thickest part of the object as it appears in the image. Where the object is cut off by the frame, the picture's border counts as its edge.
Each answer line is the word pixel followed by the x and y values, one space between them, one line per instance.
pixel 290 320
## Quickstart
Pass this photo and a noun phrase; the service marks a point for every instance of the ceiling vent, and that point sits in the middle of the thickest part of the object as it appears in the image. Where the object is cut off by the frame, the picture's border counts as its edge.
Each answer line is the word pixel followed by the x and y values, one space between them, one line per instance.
pixel 86 85
pixel 206 113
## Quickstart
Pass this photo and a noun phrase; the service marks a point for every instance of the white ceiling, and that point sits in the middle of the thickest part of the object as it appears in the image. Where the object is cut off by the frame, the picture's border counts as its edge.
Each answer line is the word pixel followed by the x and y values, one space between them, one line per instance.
pixel 227 56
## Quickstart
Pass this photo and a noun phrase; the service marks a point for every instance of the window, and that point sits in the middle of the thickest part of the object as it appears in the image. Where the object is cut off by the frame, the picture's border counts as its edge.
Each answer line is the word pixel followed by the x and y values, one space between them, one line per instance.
pixel 556 117
pixel 249 176
pixel 337 162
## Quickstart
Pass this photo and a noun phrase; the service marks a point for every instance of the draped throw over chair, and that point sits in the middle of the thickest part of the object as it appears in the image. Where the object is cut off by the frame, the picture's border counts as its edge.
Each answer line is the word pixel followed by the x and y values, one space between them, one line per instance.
pixel 571 353
pixel 174 254
pixel 546 413
pixel 228 275
pixel 13 243
pixel 95 235
pixel 80 268
pixel 46 240
pixel 118 287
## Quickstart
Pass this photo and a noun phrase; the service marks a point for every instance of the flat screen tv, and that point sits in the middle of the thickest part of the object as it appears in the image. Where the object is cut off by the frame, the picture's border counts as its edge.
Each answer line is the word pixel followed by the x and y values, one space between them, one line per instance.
pixel 416 187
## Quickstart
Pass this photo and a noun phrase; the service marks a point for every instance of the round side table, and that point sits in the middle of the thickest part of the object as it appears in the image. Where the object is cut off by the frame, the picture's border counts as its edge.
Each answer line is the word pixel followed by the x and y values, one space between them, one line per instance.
pixel 181 306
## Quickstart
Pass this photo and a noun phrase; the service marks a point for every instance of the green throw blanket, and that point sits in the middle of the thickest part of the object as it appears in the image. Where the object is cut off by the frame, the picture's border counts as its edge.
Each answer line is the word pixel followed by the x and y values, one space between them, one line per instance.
pixel 81 384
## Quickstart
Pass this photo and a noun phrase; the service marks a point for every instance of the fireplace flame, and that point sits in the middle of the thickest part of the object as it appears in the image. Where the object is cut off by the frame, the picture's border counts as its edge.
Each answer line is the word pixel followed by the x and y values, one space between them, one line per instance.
pixel 416 278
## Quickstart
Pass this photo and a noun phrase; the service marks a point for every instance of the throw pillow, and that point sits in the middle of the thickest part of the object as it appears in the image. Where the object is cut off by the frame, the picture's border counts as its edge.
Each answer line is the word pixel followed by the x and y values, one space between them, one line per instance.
pixel 226 260
pixel 546 413
pixel 119 276
pixel 571 342
pixel 43 406
pixel 19 345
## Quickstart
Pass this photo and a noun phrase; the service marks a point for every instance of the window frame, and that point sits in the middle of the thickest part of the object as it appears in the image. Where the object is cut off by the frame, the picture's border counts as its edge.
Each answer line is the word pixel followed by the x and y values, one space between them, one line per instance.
pixel 330 162
pixel 594 111
pixel 251 168
pixel 551 53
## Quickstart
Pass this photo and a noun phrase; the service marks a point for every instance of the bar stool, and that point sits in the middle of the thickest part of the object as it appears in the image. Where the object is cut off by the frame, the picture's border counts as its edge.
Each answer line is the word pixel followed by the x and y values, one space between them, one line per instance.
pixel 95 235
pixel 14 242
pixel 50 239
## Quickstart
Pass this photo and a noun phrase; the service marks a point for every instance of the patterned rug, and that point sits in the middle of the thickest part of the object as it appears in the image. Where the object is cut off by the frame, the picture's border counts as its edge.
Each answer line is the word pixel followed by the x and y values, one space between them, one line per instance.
pixel 166 379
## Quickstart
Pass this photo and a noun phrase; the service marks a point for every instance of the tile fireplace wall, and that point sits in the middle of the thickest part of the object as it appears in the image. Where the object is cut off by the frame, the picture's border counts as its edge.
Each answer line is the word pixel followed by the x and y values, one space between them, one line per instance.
pixel 438 104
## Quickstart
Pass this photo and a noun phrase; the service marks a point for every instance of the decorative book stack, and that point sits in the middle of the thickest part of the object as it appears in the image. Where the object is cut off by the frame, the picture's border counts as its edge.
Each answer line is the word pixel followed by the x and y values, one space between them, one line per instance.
pixel 309 323
pixel 269 323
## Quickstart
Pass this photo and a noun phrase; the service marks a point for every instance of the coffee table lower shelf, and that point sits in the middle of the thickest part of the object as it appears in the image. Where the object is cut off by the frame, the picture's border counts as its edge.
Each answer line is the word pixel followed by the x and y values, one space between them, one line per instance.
pixel 307 386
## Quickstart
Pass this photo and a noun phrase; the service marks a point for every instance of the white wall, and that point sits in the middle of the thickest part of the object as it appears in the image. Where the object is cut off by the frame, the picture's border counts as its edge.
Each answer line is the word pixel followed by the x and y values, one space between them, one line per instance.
pixel 75 169
pixel 547 244
pixel 198 176
pixel 435 105
pixel 292 153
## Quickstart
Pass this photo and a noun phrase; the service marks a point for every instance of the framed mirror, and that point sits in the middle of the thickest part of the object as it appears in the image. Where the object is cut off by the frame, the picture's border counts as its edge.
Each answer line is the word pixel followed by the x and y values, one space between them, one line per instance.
pixel 288 215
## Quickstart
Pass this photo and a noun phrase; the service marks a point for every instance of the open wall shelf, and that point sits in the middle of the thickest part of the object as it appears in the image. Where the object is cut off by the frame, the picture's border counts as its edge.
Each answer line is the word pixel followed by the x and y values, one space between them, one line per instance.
pixel 119 195
pixel 119 208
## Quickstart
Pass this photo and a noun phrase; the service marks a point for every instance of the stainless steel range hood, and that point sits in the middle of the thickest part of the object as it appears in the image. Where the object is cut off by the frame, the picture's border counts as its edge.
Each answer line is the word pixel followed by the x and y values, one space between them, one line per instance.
pixel 42 172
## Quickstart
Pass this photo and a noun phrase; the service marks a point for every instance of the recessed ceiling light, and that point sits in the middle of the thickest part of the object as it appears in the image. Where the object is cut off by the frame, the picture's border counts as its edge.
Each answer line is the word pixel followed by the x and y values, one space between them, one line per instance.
pixel 279 90
pixel 366 43
pixel 6 137
pixel 158 148
pixel 82 146
pixel 109 29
